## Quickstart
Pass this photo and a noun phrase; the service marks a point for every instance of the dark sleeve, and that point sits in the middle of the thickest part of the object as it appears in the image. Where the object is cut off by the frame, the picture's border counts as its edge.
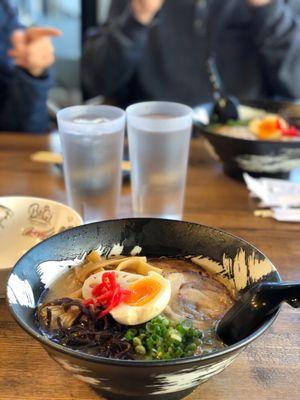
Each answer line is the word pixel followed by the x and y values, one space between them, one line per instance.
pixel 276 29
pixel 22 97
pixel 24 104
pixel 111 55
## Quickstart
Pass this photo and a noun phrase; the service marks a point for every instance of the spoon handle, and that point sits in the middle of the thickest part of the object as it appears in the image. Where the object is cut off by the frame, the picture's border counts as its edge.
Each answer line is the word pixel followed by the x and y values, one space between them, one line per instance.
pixel 277 292
pixel 214 77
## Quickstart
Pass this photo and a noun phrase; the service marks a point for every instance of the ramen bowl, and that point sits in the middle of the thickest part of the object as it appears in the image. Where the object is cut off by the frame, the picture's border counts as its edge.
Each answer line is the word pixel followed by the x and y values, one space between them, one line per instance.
pixel 224 256
pixel 275 159
pixel 26 221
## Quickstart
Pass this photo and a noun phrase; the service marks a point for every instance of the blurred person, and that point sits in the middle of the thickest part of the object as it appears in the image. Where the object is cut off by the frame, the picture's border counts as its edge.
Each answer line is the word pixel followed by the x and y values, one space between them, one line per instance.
pixel 156 49
pixel 25 56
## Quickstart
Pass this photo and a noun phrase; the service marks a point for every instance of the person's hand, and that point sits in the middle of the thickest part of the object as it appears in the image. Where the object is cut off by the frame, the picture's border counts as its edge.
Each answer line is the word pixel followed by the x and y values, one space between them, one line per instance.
pixel 32 49
pixel 258 3
pixel 145 10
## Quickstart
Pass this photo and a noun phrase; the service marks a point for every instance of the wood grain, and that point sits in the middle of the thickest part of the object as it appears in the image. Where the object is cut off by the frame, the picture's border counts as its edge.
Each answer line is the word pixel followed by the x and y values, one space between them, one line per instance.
pixel 269 369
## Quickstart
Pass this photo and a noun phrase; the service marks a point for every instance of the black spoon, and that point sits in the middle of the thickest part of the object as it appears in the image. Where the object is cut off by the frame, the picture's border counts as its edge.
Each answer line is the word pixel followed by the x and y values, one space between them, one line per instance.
pixel 254 307
pixel 225 107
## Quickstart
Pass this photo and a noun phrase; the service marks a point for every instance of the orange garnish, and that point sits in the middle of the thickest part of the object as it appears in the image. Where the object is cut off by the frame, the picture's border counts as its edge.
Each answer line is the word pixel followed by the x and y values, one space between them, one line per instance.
pixel 268 128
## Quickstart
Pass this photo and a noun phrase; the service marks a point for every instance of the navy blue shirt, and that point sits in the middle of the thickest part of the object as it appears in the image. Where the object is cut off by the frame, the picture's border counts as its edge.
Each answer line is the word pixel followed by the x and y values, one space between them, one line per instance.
pixel 257 51
pixel 22 97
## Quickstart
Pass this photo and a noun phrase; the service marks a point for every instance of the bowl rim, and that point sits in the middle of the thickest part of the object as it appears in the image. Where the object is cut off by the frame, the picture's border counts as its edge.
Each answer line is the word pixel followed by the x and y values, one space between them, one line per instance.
pixel 204 129
pixel 35 198
pixel 54 202
pixel 150 363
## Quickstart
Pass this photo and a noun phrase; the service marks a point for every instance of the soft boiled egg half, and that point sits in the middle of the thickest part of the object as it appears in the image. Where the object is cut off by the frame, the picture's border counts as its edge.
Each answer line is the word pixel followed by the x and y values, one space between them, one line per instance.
pixel 150 294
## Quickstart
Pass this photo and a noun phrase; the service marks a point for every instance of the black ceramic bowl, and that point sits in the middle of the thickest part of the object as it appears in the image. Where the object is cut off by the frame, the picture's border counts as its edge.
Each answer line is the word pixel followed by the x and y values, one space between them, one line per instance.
pixel 231 259
pixel 258 158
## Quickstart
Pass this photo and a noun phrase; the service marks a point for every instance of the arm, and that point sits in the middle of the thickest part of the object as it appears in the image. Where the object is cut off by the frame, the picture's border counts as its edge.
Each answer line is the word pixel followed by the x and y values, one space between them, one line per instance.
pixel 276 30
pixel 23 104
pixel 24 83
pixel 111 56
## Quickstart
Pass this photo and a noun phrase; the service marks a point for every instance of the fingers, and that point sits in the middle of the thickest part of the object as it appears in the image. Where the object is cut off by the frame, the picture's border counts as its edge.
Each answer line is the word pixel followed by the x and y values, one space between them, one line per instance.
pixel 18 57
pixel 42 61
pixel 18 39
pixel 40 53
pixel 32 49
pixel 41 43
pixel 37 56
pixel 39 48
pixel 18 50
pixel 36 32
pixel 13 53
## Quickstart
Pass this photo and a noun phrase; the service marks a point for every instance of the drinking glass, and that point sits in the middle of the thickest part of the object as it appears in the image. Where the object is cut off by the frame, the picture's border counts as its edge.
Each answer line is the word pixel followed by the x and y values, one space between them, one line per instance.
pixel 159 140
pixel 92 144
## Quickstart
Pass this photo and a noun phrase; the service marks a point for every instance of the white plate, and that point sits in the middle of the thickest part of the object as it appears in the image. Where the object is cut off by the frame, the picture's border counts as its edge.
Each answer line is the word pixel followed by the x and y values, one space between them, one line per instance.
pixel 26 221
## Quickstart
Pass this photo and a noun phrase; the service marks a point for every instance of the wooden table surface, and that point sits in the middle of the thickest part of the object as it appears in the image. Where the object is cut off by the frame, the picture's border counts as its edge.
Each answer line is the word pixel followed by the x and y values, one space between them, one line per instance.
pixel 269 369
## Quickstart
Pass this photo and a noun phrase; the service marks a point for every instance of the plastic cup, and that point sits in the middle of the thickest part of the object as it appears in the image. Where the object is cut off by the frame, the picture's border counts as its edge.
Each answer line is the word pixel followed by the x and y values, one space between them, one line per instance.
pixel 159 140
pixel 92 140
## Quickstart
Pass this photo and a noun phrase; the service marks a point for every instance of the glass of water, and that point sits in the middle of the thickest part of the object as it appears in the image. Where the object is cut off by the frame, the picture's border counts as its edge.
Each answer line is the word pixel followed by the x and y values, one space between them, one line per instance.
pixel 159 140
pixel 92 144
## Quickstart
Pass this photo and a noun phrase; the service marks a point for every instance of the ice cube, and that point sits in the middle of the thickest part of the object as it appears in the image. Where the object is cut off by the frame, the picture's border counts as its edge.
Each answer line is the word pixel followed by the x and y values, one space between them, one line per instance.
pixel 90 119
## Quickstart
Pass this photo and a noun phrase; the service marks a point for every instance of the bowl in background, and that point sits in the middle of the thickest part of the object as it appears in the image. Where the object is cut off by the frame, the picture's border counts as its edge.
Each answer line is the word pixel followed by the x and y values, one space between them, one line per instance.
pixel 26 221
pixel 276 159
pixel 228 258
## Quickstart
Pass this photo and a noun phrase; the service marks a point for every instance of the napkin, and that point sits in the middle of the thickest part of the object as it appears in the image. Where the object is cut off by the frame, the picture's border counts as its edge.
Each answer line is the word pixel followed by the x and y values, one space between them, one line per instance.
pixel 281 196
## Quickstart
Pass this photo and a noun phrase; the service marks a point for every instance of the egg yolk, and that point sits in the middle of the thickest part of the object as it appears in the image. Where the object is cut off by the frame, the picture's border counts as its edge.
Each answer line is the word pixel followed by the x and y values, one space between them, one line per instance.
pixel 143 291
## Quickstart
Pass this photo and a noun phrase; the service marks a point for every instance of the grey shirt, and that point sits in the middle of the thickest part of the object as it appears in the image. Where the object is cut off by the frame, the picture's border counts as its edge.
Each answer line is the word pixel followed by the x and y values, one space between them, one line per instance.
pixel 257 49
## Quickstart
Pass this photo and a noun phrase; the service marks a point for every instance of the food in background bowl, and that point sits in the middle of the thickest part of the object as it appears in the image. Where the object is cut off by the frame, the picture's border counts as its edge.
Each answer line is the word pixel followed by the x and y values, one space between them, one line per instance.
pixel 238 146
pixel 225 258
pixel 131 308
pixel 266 127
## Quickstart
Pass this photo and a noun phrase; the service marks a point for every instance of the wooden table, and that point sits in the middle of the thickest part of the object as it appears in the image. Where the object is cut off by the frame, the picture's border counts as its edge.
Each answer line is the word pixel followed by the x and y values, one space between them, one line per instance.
pixel 269 369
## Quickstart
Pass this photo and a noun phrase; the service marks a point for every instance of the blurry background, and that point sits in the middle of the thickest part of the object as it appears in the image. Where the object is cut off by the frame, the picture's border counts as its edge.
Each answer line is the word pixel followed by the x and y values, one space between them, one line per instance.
pixel 73 18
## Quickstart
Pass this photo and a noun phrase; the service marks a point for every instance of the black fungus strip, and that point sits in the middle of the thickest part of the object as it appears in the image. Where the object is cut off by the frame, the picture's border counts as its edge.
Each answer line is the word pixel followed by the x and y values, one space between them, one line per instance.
pixel 102 337
pixel 48 317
